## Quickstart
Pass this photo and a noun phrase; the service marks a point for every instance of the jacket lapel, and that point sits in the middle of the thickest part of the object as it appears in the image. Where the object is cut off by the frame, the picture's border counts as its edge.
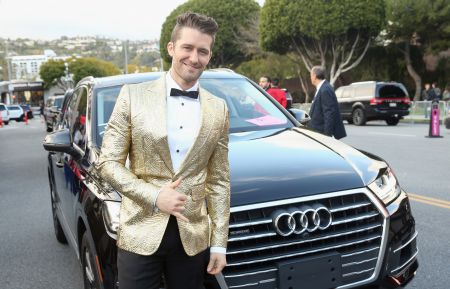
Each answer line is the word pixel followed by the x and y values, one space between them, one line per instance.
pixel 158 106
pixel 206 125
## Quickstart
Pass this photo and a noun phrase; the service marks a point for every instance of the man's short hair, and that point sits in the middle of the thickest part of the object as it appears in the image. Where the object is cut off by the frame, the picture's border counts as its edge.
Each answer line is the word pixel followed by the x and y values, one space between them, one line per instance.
pixel 269 80
pixel 275 81
pixel 319 71
pixel 200 22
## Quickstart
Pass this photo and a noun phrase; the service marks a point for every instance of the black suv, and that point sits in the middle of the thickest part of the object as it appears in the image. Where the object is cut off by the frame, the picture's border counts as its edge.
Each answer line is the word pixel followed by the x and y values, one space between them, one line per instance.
pixel 360 102
pixel 305 208
pixel 52 109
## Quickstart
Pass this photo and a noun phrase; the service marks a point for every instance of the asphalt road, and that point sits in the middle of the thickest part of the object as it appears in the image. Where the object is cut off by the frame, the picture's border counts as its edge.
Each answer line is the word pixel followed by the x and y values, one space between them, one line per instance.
pixel 30 256
pixel 422 166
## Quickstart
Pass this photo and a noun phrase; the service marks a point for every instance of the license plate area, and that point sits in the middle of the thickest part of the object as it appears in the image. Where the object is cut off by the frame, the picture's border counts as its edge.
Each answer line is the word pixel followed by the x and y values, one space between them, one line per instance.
pixel 392 104
pixel 317 272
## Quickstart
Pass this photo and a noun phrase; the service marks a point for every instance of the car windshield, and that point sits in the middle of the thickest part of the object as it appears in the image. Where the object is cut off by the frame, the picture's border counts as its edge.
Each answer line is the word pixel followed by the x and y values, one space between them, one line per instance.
pixel 13 108
pixel 249 108
pixel 392 91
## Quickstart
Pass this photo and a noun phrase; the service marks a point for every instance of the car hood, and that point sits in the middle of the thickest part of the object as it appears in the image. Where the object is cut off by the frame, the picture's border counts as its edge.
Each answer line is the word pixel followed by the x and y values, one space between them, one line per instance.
pixel 271 165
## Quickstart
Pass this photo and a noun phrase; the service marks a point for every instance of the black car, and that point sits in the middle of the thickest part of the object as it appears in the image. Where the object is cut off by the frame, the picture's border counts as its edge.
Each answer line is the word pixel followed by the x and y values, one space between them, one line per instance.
pixel 360 102
pixel 27 109
pixel 305 208
pixel 52 109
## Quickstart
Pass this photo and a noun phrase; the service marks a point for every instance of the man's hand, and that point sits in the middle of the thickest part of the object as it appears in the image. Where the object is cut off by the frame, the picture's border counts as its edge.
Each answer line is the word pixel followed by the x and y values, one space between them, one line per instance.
pixel 172 202
pixel 217 262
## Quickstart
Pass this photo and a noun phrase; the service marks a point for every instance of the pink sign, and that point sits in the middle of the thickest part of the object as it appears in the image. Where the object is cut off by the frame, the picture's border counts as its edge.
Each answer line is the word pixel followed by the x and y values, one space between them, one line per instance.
pixel 266 120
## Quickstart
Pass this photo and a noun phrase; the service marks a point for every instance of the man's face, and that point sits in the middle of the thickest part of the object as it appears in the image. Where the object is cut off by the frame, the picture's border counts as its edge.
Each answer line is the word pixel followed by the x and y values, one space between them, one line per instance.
pixel 313 78
pixel 190 54
pixel 264 83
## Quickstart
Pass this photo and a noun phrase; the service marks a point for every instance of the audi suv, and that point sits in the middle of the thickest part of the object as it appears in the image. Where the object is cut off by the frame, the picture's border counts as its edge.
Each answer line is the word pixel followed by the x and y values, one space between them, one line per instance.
pixel 306 209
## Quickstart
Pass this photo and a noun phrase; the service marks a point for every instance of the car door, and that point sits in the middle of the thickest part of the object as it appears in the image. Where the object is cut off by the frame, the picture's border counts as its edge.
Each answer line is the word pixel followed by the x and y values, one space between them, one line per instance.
pixel 68 178
pixel 346 102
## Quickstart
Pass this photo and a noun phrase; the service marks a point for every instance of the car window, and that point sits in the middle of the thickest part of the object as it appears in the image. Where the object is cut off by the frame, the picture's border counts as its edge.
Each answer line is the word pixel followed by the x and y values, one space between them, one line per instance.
pixel 248 107
pixel 2 107
pixel 347 92
pixel 365 90
pixel 13 108
pixel 79 119
pixel 391 91
pixel 58 102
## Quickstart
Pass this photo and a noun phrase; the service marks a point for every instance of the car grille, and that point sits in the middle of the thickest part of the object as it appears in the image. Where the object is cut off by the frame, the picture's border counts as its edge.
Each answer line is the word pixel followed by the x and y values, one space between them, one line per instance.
pixel 255 248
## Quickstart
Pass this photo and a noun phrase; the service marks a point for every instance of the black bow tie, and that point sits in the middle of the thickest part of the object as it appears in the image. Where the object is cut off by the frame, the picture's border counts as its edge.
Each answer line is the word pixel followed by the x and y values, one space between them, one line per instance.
pixel 176 92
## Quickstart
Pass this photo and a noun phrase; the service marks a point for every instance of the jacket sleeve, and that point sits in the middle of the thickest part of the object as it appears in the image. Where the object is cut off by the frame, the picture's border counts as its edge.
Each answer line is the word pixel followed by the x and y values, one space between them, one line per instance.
pixel 330 110
pixel 218 188
pixel 115 147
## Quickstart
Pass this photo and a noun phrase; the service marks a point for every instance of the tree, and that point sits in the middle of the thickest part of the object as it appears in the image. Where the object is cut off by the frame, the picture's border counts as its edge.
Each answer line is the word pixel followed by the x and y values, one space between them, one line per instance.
pixel 237 38
pixel 335 34
pixel 52 73
pixel 83 67
pixel 421 25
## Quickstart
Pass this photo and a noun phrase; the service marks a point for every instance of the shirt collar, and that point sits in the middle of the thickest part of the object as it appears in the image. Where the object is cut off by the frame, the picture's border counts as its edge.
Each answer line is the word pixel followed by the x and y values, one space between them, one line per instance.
pixel 319 86
pixel 171 83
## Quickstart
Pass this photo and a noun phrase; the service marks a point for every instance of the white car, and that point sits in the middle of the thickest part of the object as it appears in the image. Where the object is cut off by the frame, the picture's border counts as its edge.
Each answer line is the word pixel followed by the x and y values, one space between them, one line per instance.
pixel 15 112
pixel 5 113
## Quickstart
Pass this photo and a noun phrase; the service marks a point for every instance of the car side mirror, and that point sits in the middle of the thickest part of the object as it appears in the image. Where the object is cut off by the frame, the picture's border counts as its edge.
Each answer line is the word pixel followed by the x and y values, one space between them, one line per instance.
pixel 59 141
pixel 300 115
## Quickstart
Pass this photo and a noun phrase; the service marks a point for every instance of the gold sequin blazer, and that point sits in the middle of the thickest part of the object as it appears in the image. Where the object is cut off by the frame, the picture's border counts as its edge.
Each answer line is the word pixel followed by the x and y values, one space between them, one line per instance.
pixel 137 129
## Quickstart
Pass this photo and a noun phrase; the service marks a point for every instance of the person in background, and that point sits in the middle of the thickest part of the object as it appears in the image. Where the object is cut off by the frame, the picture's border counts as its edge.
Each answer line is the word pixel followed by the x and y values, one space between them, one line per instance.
pixel 446 93
pixel 428 93
pixel 324 111
pixel 437 90
pixel 41 111
pixel 266 83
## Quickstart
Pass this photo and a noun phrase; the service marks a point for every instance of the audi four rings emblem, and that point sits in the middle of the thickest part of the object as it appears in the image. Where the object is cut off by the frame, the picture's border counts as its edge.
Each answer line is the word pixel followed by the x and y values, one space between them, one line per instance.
pixel 297 220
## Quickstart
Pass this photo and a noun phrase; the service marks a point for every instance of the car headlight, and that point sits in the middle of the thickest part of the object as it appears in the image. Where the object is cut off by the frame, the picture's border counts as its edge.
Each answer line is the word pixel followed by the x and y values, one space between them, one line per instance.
pixel 111 214
pixel 386 186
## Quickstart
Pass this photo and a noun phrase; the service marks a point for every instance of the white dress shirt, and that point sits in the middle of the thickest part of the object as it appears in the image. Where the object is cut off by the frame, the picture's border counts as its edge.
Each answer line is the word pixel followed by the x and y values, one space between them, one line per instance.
pixel 183 124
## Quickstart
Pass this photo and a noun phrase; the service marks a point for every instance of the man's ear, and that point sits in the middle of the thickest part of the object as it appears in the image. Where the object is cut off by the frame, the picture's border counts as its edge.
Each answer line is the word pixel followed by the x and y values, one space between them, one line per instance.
pixel 170 48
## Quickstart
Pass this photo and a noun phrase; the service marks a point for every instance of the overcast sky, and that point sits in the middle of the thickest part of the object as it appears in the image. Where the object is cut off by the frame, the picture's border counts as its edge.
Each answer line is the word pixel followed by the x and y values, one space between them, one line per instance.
pixel 51 19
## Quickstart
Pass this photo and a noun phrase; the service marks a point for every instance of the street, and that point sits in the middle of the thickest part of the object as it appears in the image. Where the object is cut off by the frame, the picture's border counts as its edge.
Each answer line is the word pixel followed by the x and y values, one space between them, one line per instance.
pixel 30 256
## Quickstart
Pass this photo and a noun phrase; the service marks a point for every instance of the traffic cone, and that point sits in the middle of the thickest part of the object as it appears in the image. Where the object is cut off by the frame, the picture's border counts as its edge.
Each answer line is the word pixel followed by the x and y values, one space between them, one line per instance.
pixel 26 118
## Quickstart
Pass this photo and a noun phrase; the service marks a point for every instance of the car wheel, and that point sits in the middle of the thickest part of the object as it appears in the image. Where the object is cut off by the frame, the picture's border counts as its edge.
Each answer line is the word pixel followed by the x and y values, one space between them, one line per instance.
pixel 59 233
pixel 6 122
pixel 90 273
pixel 350 120
pixel 392 121
pixel 359 116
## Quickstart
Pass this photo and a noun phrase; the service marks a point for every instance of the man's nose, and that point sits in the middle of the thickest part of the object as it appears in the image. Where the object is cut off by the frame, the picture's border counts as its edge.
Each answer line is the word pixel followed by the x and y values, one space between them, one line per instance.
pixel 193 57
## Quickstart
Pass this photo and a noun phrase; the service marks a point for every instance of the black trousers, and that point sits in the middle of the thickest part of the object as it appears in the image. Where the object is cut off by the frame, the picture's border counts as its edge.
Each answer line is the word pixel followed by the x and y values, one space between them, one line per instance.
pixel 180 270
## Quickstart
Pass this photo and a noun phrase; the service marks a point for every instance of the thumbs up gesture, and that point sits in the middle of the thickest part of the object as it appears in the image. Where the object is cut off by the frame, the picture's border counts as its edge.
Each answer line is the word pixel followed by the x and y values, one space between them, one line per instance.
pixel 172 202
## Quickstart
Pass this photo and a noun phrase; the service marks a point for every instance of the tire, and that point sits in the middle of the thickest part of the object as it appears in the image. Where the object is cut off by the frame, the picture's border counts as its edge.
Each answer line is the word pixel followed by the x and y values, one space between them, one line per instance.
pixel 59 233
pixel 392 121
pixel 6 122
pixel 88 265
pixel 350 120
pixel 359 116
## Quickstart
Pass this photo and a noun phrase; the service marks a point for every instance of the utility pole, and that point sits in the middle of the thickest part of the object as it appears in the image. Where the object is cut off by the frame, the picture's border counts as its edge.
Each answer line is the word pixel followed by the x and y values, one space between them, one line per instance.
pixel 125 48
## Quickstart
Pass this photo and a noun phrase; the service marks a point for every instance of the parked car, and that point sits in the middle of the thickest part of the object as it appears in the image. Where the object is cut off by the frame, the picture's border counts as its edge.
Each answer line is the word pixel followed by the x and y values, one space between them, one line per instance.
pixel 360 102
pixel 15 112
pixel 4 113
pixel 305 208
pixel 27 109
pixel 52 109
pixel 288 98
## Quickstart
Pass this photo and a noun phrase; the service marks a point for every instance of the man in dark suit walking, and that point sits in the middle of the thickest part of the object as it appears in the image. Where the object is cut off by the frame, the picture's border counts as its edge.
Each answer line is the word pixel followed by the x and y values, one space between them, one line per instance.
pixel 324 112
